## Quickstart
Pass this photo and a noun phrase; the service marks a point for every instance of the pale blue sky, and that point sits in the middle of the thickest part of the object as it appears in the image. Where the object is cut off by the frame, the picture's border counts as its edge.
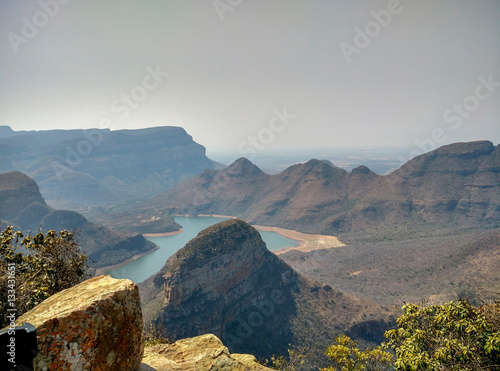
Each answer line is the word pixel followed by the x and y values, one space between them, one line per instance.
pixel 223 71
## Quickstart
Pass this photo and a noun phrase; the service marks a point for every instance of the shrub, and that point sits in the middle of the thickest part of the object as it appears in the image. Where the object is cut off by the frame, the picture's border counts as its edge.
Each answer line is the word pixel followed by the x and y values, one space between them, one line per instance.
pixel 345 356
pixel 452 336
pixel 34 268
pixel 296 359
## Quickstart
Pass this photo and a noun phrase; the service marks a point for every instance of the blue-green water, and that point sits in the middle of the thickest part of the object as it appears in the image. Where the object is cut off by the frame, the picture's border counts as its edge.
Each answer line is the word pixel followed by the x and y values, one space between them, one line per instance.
pixel 147 265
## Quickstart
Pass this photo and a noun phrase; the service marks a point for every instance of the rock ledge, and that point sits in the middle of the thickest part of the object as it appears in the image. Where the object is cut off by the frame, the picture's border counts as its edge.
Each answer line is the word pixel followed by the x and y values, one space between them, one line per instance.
pixel 95 325
pixel 204 352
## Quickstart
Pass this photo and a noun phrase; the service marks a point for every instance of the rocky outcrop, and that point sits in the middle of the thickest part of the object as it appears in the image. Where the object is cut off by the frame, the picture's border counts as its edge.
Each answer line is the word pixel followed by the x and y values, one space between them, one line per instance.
pixel 95 325
pixel 17 192
pixel 201 353
pixel 98 325
pixel 227 283
pixel 223 275
pixel 22 206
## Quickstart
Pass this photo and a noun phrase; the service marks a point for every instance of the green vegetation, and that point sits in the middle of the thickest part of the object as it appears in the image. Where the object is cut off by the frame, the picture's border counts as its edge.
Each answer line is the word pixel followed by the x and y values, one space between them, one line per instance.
pixel 296 359
pixel 48 263
pixel 451 337
pixel 345 356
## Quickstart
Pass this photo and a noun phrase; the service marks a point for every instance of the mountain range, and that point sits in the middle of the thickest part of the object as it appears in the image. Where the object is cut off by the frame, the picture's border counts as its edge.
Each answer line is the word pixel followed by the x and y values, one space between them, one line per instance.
pixel 428 231
pixel 455 185
pixel 82 169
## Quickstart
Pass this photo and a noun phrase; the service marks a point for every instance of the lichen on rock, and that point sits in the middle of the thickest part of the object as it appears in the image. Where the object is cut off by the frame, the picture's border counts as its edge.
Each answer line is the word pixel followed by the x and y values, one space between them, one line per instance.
pixel 95 325
pixel 204 352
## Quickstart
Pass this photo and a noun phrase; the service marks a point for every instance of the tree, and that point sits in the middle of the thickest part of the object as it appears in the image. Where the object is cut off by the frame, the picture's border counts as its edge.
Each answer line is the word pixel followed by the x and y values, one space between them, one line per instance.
pixel 47 264
pixel 296 359
pixel 345 356
pixel 452 336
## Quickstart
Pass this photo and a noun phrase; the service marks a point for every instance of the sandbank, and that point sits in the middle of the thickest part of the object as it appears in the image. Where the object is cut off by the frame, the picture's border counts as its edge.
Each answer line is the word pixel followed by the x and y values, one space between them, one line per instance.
pixel 164 234
pixel 212 215
pixel 307 242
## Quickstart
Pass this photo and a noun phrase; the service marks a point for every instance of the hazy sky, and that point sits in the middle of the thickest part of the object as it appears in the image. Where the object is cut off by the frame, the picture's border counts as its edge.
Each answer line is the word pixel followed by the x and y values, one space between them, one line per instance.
pixel 249 75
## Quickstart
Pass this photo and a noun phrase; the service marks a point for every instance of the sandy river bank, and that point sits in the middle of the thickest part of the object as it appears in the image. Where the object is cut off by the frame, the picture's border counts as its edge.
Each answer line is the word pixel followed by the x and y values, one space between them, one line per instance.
pixel 307 242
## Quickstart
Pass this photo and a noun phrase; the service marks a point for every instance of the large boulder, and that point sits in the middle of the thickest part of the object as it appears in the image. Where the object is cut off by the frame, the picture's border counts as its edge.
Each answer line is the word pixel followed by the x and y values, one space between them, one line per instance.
pixel 95 325
pixel 200 353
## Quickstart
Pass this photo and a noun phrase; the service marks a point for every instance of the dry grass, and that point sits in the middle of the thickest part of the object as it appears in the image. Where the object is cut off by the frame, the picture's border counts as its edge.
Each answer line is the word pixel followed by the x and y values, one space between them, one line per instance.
pixel 436 268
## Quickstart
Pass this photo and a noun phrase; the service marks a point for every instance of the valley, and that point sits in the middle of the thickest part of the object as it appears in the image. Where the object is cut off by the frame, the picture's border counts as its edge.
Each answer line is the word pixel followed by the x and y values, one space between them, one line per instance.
pixel 236 185
pixel 260 304
pixel 266 260
pixel 142 267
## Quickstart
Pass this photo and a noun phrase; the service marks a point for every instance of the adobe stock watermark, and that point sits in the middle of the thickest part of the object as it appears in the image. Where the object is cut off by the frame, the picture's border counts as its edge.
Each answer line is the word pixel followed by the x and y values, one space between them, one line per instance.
pixel 122 106
pixel 223 6
pixel 462 111
pixel 31 26
pixel 12 312
pixel 455 116
pixel 139 93
pixel 249 147
pixel 363 36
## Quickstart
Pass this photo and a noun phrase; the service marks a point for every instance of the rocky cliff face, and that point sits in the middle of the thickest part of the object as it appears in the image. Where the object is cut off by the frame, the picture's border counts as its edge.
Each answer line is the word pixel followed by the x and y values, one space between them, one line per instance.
pixel 17 192
pixel 226 282
pixel 221 275
pixel 22 206
pixel 453 185
pixel 82 168
pixel 457 183
pixel 98 325
pixel 204 352
pixel 95 325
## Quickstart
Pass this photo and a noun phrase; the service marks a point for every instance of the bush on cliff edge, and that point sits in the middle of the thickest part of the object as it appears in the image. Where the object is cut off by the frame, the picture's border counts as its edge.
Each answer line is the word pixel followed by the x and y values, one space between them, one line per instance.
pixel 455 336
pixel 49 263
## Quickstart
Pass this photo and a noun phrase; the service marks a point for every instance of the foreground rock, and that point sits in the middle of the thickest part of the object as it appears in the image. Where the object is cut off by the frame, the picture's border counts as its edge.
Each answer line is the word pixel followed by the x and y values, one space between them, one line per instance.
pixel 205 352
pixel 95 325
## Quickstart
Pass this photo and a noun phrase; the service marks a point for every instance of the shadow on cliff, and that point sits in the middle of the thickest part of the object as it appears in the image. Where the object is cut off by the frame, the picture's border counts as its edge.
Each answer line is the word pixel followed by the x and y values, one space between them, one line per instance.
pixel 226 282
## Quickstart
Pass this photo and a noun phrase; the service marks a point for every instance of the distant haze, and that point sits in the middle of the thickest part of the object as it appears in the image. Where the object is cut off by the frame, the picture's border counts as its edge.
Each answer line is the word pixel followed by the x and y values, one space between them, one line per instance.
pixel 248 76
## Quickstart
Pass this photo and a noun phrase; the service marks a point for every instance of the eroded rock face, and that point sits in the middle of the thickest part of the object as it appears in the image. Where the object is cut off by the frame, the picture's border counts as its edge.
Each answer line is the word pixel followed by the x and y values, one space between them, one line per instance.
pixel 233 256
pixel 204 352
pixel 227 283
pixel 95 325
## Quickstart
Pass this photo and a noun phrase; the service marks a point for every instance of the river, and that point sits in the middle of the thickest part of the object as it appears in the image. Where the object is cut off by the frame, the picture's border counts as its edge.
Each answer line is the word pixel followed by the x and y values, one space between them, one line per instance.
pixel 147 265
